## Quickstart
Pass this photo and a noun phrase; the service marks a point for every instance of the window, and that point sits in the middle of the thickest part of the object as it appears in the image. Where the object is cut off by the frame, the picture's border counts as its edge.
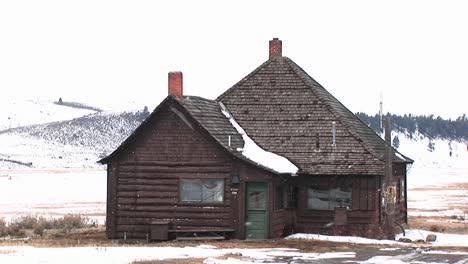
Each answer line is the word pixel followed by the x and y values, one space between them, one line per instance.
pixel 279 198
pixel 402 189
pixel 202 190
pixel 285 197
pixel 321 198
pixel 291 196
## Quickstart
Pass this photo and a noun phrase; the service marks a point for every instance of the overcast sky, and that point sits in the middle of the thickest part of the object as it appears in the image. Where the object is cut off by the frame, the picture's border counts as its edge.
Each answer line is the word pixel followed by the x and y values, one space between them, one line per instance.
pixel 111 52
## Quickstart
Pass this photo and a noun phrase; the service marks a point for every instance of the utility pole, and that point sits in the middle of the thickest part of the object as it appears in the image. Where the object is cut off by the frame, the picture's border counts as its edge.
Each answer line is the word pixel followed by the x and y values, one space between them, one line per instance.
pixel 390 188
pixel 381 111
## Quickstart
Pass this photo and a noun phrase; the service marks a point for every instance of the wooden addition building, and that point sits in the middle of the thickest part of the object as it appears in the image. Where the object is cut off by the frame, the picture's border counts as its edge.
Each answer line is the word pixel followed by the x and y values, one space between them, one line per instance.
pixel 184 168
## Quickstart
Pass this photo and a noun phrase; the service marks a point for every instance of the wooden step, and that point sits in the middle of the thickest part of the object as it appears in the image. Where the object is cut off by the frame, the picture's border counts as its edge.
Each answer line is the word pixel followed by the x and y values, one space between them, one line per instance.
pixel 201 238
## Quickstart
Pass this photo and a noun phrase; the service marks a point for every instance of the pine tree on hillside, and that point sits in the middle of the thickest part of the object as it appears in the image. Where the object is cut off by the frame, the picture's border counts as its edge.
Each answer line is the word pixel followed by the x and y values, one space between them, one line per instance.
pixel 429 126
pixel 431 146
pixel 396 142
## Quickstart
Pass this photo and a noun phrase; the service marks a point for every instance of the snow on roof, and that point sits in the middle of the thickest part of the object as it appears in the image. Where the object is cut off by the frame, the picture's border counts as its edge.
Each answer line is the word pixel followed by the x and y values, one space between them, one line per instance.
pixel 399 155
pixel 255 153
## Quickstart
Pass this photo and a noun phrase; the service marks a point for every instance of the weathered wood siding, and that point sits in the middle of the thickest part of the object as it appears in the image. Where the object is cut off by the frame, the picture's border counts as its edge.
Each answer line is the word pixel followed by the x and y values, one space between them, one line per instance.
pixel 364 209
pixel 144 180
pixel 283 222
pixel 401 213
pixel 247 174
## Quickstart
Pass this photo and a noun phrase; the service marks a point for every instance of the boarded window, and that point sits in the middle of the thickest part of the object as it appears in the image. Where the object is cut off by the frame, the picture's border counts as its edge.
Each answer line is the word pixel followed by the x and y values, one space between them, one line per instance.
pixel 322 198
pixel 202 190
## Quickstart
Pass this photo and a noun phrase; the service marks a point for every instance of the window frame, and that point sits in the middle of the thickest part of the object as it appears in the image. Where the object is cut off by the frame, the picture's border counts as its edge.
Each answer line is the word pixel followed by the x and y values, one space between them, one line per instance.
pixel 279 198
pixel 289 194
pixel 201 201
pixel 348 206
pixel 402 189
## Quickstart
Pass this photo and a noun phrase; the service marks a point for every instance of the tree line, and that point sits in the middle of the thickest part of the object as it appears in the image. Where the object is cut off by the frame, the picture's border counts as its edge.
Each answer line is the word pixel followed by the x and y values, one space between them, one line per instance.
pixel 428 125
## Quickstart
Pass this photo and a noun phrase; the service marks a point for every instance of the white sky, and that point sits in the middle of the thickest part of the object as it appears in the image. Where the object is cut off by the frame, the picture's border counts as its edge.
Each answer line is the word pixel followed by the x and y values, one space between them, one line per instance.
pixel 112 52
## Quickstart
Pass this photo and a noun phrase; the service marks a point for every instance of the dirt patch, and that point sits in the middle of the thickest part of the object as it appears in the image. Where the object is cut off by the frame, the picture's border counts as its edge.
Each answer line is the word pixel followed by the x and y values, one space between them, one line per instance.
pixel 444 225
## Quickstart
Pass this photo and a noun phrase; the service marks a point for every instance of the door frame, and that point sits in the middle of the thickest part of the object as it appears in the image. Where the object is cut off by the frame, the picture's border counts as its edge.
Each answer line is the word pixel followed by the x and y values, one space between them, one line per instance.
pixel 267 207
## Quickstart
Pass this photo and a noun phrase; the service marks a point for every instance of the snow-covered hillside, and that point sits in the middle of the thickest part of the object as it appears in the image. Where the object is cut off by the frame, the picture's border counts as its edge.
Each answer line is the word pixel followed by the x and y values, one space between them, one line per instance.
pixel 17 113
pixel 76 143
pixel 40 138
pixel 447 158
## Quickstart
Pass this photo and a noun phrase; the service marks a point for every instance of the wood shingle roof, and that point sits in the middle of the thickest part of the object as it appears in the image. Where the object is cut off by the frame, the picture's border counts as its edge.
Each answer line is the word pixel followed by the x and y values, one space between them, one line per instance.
pixel 287 112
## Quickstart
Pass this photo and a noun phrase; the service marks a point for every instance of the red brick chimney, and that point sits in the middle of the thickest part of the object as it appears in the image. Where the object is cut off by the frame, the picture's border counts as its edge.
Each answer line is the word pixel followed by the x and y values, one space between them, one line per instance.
pixel 276 48
pixel 175 86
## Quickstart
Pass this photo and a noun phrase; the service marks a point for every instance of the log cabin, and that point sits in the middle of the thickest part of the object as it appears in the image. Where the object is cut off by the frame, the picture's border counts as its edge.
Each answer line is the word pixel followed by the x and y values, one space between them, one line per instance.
pixel 273 155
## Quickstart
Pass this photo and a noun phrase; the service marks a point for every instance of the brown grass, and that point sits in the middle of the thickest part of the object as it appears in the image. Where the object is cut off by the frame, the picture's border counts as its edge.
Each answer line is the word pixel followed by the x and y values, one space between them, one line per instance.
pixel 438 224
pixel 7 251
pixel 171 261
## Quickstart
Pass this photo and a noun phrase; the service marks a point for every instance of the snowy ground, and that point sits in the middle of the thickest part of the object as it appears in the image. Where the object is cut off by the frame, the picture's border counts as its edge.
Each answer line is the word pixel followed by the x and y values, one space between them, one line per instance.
pixel 437 181
pixel 45 154
pixel 437 193
pixel 58 192
pixel 210 254
pixel 53 193
pixel 128 254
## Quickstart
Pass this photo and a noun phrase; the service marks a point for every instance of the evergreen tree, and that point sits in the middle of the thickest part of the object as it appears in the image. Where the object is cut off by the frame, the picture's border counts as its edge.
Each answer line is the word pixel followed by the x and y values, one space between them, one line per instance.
pixel 431 146
pixel 426 125
pixel 396 142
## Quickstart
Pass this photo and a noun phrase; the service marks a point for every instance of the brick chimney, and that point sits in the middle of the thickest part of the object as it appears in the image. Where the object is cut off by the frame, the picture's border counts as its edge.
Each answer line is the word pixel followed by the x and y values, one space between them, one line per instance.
pixel 175 86
pixel 276 48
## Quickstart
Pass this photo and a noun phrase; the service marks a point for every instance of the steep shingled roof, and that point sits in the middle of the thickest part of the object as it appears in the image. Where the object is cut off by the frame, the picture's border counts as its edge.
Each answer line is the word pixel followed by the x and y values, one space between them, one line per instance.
pixel 287 112
pixel 207 114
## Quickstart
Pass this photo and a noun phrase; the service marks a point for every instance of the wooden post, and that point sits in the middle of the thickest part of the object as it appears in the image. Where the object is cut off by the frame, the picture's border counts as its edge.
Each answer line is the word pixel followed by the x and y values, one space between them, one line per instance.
pixel 389 190
pixel 388 153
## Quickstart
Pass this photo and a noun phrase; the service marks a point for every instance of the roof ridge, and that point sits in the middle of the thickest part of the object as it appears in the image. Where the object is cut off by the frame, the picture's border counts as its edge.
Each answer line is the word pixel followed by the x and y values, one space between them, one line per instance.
pixel 327 97
pixel 220 97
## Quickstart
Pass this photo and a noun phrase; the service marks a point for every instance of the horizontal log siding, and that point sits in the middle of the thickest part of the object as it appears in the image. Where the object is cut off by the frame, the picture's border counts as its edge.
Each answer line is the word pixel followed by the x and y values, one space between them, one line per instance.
pixel 364 209
pixel 282 222
pixel 148 174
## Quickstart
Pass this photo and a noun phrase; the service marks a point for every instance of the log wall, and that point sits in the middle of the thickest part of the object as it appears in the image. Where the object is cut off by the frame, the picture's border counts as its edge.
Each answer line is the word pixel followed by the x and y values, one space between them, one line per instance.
pixel 144 181
pixel 364 209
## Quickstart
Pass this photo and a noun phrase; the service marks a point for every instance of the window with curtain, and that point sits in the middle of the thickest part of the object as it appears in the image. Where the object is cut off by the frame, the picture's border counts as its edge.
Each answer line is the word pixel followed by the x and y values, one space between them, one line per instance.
pixel 201 190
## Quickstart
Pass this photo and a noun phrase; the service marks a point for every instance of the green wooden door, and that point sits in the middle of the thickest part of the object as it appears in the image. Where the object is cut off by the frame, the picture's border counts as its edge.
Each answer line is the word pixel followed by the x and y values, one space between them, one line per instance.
pixel 256 215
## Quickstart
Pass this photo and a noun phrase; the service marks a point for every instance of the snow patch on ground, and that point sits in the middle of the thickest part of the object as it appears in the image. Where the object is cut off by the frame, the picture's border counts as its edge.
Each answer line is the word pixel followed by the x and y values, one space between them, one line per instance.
pixel 412 234
pixel 116 255
pixel 442 239
pixel 53 193
pixel 343 239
